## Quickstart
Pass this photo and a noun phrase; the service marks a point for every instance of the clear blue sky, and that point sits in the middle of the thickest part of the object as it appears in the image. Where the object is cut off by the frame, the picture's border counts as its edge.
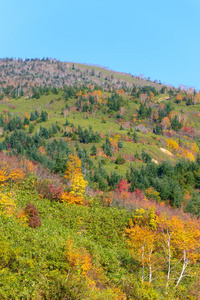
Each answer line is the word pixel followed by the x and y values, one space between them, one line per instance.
pixel 160 39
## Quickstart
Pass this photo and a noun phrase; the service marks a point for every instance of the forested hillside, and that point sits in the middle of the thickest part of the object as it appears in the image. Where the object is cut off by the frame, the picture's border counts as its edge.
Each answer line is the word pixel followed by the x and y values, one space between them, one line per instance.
pixel 100 178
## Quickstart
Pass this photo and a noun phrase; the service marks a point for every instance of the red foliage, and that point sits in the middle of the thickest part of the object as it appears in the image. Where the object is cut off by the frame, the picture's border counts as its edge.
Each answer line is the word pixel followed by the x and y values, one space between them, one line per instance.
pixel 169 134
pixel 139 194
pixel 55 192
pixel 122 186
pixel 51 190
pixel 188 129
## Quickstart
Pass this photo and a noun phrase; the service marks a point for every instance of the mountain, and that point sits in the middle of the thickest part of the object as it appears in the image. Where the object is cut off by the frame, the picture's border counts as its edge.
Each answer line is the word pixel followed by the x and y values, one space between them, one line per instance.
pixel 100 178
pixel 51 72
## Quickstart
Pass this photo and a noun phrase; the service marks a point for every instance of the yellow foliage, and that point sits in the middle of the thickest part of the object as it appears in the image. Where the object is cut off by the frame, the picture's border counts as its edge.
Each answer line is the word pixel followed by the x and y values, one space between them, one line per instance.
pixel 75 175
pixel 73 166
pixel 172 144
pixel 26 115
pixel 139 216
pixel 153 194
pixel 194 148
pixel 117 137
pixel 152 218
pixel 186 153
pixel 79 93
pixel 189 155
pixel 7 203
pixel 78 185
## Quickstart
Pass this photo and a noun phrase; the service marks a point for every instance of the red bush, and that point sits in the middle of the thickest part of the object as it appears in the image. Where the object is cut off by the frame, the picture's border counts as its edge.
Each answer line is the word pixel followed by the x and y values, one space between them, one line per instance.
pixel 51 190
pixel 33 216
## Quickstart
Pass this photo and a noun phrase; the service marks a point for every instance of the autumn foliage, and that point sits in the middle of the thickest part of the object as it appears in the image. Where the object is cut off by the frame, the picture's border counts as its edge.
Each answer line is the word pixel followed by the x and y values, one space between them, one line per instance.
pixel 75 176
pixel 149 235
pixel 33 216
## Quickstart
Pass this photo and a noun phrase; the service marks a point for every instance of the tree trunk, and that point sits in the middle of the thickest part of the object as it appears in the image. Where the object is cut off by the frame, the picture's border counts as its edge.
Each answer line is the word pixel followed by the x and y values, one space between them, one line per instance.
pixel 185 263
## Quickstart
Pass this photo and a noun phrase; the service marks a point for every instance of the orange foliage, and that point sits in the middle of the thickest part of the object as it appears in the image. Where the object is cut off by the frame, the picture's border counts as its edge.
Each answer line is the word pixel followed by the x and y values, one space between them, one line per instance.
pixel 26 115
pixel 42 150
pixel 28 166
pixel 79 93
pixel 150 235
pixel 166 123
pixel 120 92
pixel 179 97
pixel 13 169
pixel 82 268
pixel 10 173
pixel 114 144
pixel 151 95
pixel 70 198
pixel 22 216
pixel 78 259
pixel 155 115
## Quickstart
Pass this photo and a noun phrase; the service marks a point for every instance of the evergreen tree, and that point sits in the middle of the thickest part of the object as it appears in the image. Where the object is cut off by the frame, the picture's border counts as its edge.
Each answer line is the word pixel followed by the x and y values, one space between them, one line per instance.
pixel 135 137
pixel 43 116
pixel 93 150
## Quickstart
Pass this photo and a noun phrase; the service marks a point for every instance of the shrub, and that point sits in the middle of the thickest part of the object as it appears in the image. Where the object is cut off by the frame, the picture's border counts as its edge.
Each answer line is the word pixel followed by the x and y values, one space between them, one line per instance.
pixel 33 216
pixel 119 160
pixel 50 190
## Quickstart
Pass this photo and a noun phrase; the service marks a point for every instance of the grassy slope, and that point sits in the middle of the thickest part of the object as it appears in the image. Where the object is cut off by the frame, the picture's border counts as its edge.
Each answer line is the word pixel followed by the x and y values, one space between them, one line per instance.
pixel 54 104
pixel 120 76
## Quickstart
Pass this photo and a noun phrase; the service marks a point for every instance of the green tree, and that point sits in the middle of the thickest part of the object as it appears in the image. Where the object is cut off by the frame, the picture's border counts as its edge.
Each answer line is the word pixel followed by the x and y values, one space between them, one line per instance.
pixel 93 150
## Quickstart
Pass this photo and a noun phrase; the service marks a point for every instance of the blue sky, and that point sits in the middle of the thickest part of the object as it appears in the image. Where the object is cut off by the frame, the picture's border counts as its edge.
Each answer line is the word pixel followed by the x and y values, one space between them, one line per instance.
pixel 159 39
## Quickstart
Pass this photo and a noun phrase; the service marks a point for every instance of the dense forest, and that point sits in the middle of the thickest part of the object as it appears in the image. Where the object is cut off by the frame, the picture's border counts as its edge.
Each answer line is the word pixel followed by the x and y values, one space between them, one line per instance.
pixel 99 184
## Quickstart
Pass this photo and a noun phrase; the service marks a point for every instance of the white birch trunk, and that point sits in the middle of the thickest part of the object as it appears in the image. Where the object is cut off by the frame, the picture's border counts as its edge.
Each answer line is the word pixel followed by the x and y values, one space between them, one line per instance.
pixel 185 263
pixel 169 258
pixel 143 263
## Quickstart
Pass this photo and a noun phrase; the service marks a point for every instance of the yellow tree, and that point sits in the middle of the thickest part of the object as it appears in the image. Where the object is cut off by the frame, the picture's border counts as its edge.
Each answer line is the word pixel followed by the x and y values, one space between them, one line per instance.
pixel 74 174
pixel 166 228
pixel 143 239
pixel 181 244
pixel 142 244
pixel 169 244
pixel 186 239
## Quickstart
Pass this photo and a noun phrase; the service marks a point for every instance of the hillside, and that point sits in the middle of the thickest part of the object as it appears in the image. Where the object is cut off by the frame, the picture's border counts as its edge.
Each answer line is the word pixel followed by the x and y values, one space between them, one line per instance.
pixel 51 72
pixel 100 178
